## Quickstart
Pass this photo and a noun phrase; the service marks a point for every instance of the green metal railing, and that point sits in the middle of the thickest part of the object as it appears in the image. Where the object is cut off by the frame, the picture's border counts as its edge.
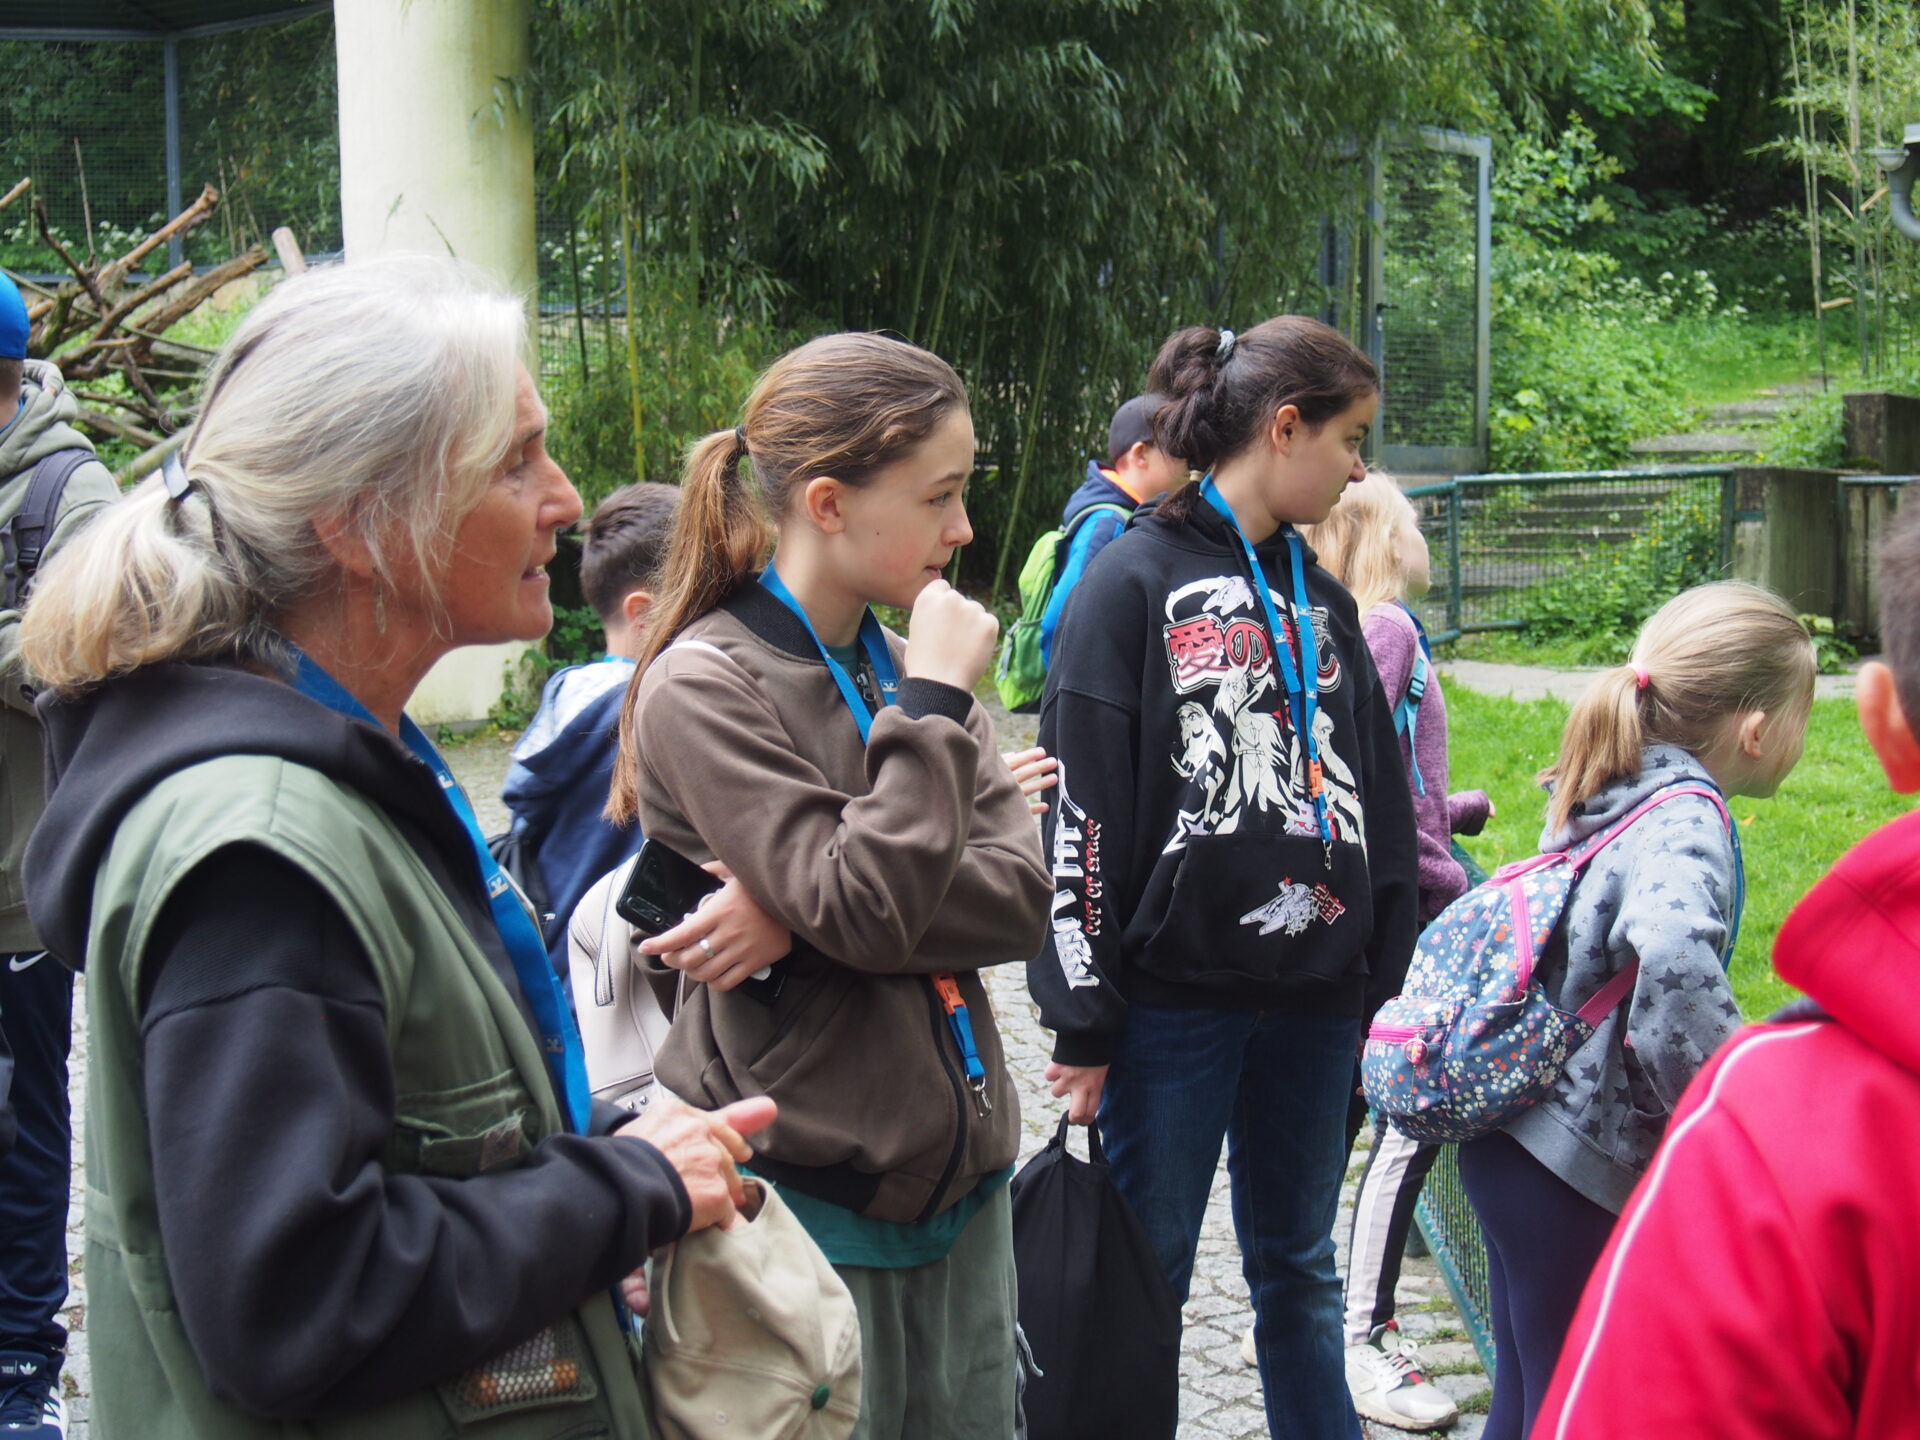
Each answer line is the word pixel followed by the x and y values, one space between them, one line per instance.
pixel 1447 1223
pixel 1494 538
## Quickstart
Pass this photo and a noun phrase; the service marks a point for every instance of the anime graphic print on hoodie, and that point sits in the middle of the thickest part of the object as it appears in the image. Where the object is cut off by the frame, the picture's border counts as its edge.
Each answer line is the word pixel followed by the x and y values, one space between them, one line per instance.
pixel 1188 862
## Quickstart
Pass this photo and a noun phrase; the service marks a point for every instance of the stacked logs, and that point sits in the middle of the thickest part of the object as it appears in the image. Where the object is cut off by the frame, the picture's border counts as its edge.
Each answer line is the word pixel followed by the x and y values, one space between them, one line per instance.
pixel 110 321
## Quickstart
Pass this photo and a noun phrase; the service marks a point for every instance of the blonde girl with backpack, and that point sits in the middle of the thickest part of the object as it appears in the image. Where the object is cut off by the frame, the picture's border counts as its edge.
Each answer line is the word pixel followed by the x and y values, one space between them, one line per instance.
pixel 847 785
pixel 1717 694
pixel 1372 544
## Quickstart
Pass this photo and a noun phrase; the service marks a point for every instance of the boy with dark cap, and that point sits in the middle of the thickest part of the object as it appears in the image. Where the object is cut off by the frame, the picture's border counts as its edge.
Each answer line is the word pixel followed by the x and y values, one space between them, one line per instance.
pixel 1137 469
pixel 37 412
pixel 1764 1280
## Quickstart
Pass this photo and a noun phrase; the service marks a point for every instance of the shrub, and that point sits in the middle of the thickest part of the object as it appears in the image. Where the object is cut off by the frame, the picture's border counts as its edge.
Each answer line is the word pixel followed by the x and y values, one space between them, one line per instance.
pixel 1602 600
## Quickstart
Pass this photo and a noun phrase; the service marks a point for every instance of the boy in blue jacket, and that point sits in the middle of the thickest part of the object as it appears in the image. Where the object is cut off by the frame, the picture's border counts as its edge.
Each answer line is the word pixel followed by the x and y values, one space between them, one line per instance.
pixel 563 765
pixel 1137 469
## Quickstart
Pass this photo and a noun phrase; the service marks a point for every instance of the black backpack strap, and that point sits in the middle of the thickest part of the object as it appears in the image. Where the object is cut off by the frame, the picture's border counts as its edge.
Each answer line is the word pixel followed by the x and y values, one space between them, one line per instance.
pixel 25 535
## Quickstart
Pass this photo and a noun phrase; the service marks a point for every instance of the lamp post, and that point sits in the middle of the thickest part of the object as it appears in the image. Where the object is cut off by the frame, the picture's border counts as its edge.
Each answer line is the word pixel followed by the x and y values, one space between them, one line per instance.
pixel 1902 166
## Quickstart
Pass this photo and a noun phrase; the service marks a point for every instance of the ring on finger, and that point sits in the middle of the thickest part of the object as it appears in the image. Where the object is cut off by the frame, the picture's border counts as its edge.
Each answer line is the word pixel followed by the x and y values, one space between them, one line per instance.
pixel 706 947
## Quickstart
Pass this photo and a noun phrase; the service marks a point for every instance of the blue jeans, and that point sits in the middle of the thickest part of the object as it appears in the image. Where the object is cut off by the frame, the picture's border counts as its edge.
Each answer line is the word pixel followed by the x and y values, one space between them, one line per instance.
pixel 36 1021
pixel 1275 1088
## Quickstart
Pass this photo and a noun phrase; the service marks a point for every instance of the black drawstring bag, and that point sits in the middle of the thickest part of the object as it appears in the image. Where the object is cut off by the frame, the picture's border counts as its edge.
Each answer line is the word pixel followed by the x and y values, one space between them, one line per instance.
pixel 1094 1303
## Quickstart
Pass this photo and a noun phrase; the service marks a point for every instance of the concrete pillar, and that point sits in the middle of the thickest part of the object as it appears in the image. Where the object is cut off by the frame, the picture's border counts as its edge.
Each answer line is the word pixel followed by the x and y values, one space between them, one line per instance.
pixel 436 157
pixel 1786 534
pixel 1882 429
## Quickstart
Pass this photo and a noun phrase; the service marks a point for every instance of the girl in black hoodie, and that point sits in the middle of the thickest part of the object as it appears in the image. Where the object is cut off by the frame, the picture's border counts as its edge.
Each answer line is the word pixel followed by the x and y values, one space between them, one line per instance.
pixel 1233 846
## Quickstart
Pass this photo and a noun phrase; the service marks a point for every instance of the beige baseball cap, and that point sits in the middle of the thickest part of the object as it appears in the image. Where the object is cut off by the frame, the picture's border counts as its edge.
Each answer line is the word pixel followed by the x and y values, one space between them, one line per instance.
pixel 752 1333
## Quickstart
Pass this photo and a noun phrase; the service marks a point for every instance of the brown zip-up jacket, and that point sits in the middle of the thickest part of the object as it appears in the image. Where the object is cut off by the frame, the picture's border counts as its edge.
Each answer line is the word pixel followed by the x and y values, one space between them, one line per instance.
pixel 891 862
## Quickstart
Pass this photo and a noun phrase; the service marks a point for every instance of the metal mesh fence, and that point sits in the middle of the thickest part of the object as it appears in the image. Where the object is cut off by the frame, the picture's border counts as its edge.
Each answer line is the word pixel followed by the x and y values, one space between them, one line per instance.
pixel 86 120
pixel 1429 297
pixel 1513 550
pixel 1452 1233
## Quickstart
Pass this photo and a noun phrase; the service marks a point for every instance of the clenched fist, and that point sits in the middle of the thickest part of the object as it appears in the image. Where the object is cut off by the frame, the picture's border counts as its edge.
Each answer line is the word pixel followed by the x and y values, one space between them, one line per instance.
pixel 949 637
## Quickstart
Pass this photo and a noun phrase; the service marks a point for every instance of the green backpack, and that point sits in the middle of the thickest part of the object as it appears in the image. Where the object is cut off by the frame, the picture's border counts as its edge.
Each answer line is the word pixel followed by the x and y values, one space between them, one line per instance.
pixel 1023 673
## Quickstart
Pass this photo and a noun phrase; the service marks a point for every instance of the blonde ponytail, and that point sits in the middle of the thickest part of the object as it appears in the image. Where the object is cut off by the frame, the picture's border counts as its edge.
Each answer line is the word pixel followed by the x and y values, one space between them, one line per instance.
pixel 1708 654
pixel 141 583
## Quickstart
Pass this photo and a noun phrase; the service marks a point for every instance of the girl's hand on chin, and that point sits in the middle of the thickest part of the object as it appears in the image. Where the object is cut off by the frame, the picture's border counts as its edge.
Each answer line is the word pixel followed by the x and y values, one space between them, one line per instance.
pixel 949 637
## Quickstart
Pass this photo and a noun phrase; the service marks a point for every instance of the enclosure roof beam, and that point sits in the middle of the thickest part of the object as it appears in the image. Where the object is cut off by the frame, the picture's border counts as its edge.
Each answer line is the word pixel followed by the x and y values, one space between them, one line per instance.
pixel 112 20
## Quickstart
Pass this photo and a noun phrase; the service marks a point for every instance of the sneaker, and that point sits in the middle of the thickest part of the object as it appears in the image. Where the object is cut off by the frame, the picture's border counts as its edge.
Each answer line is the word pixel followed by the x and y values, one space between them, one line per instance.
pixel 1247 1352
pixel 30 1403
pixel 1384 1377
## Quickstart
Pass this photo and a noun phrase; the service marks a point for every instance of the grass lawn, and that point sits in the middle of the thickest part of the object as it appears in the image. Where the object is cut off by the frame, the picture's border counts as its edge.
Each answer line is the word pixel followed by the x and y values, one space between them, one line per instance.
pixel 1834 797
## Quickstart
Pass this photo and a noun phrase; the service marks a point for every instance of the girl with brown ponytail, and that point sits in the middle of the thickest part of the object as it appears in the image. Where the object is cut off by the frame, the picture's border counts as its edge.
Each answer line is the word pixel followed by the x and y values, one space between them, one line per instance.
pixel 1716 694
pixel 848 787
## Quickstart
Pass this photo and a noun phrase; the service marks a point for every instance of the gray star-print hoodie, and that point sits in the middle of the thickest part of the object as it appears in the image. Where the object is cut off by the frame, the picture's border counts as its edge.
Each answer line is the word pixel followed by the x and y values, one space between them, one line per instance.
pixel 1667 890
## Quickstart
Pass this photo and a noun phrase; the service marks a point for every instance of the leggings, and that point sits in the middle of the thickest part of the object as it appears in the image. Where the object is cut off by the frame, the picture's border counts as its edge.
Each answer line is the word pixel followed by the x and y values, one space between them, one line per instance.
pixel 1543 1240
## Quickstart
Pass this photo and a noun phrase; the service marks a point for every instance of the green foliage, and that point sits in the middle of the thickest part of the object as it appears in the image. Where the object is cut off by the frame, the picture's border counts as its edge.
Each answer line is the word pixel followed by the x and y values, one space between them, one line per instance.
pixel 1601 599
pixel 694 368
pixel 1833 654
pixel 575 639
pixel 1834 796
pixel 1580 368
pixel 1040 193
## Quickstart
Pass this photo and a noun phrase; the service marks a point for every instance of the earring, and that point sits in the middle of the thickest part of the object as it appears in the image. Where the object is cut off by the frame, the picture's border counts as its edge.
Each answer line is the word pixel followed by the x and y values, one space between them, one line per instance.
pixel 379 607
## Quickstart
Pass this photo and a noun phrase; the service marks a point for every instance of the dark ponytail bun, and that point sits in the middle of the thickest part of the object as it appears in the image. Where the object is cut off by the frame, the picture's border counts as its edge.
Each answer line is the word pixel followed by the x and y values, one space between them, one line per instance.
pixel 1188 372
pixel 1218 404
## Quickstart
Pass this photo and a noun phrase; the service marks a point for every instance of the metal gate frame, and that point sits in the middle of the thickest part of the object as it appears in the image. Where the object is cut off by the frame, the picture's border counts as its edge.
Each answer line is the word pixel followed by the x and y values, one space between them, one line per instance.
pixel 1432 459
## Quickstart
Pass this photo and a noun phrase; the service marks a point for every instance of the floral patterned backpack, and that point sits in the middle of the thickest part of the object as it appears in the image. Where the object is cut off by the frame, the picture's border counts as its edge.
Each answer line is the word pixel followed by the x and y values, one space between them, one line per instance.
pixel 1473 1040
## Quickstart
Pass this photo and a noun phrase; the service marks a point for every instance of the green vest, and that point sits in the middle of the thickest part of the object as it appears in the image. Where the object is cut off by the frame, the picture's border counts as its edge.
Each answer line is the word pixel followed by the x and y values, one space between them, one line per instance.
pixel 472 1095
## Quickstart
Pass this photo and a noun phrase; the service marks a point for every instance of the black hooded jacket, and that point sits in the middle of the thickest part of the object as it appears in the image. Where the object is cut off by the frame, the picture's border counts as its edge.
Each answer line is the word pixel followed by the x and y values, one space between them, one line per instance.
pixel 1188 868
pixel 308 1277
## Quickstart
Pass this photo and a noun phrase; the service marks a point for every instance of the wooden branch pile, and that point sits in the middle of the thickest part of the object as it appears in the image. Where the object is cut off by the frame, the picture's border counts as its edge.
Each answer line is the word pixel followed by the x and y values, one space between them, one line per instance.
pixel 105 323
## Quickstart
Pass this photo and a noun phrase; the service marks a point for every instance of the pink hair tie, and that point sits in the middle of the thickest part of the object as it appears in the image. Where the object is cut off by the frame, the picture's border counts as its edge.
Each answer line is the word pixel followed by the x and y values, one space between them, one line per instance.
pixel 1641 679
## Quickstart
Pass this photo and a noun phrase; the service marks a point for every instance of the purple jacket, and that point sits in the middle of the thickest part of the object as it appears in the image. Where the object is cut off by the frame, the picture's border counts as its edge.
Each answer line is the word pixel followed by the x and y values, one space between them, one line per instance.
pixel 1394 641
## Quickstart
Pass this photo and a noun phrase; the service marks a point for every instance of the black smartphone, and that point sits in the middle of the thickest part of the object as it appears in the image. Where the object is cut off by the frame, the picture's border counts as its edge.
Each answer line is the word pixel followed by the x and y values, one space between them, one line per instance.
pixel 663 888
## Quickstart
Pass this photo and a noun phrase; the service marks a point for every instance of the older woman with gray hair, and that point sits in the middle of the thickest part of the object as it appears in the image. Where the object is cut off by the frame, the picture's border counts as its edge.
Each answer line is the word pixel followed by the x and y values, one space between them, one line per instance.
pixel 343 1169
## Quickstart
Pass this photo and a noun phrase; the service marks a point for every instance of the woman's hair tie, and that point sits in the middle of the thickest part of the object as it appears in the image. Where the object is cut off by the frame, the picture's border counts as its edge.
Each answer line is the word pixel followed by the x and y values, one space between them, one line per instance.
pixel 174 476
pixel 1226 345
pixel 1641 679
pixel 740 439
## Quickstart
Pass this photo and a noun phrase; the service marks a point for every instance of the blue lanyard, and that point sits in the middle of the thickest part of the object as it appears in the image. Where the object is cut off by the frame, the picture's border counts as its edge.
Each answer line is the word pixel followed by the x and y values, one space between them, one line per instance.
pixel 872 640
pixel 880 657
pixel 559 1040
pixel 1303 696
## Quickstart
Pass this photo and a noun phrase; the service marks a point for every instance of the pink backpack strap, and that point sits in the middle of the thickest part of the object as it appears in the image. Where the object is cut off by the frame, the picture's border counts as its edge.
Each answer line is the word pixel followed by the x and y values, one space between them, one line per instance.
pixel 1617 989
pixel 1610 994
pixel 1659 797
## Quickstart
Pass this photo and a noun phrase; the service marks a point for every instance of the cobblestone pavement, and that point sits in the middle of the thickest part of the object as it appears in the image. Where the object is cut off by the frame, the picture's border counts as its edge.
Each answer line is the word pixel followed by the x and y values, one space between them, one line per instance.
pixel 1219 1395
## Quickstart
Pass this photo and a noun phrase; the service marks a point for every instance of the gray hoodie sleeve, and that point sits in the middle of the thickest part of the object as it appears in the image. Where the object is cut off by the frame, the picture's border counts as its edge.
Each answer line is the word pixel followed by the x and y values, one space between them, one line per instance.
pixel 1676 888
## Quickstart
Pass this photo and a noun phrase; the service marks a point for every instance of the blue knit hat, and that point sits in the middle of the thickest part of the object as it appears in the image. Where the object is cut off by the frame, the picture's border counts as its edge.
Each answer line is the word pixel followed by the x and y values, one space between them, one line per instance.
pixel 13 320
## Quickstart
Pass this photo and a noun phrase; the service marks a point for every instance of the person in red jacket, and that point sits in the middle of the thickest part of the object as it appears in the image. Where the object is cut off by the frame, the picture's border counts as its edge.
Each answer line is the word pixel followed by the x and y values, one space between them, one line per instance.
pixel 1765 1278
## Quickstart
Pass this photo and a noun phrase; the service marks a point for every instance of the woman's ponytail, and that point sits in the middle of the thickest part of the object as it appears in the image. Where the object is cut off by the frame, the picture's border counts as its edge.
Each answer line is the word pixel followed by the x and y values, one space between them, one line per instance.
pixel 142 582
pixel 721 539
